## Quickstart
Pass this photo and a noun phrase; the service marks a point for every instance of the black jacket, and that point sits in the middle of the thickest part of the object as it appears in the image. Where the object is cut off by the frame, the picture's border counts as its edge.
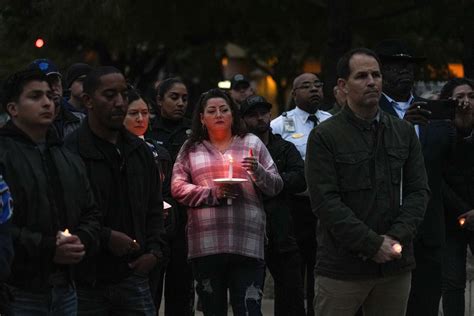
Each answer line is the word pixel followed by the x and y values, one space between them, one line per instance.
pixel 458 190
pixel 291 169
pixel 170 135
pixel 66 121
pixel 50 192
pixel 355 174
pixel 144 199
pixel 437 140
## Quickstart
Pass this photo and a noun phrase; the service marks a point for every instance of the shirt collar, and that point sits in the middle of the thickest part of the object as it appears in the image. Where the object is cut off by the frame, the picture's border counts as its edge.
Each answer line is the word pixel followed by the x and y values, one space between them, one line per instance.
pixel 392 101
pixel 304 115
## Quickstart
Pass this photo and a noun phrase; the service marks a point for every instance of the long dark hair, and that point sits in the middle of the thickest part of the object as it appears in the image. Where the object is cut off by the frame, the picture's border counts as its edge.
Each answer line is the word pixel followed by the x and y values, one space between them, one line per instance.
pixel 448 89
pixel 199 133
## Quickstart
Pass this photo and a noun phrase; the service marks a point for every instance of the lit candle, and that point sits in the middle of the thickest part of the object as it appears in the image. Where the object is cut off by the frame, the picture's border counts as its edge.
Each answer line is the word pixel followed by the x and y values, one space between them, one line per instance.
pixel 462 221
pixel 65 234
pixel 231 170
pixel 397 248
pixel 251 152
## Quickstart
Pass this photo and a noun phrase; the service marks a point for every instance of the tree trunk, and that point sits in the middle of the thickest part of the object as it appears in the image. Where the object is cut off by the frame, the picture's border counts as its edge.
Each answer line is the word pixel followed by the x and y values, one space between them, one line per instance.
pixel 339 42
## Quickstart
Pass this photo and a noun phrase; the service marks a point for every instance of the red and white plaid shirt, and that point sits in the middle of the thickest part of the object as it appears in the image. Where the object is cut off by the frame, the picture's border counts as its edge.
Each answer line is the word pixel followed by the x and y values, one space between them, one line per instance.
pixel 213 226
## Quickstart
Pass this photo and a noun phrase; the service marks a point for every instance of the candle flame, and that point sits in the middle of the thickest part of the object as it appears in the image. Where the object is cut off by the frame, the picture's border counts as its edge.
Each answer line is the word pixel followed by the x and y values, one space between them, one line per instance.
pixel 397 248
pixel 66 231
pixel 231 160
pixel 462 221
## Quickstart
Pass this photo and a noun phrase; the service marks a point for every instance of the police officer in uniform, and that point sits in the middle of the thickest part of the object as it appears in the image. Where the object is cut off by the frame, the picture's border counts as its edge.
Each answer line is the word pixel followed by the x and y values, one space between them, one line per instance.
pixel 171 129
pixel 295 126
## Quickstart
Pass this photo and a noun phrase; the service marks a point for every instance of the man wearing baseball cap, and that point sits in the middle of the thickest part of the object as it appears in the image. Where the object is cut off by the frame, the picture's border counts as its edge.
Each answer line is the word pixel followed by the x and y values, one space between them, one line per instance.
pixel 281 253
pixel 67 118
pixel 240 88
pixel 50 69
pixel 75 76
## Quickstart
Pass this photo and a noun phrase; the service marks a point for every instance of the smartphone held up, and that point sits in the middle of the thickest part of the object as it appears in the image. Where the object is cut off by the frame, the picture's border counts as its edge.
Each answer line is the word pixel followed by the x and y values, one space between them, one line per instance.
pixel 441 109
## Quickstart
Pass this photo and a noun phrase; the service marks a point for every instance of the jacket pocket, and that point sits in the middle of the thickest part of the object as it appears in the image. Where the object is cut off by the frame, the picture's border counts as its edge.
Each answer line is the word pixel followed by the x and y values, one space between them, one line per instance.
pixel 353 171
pixel 397 158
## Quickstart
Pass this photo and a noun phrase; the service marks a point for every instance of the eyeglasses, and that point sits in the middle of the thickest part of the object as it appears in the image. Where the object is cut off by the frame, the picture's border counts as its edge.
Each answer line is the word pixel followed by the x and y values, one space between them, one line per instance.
pixel 308 85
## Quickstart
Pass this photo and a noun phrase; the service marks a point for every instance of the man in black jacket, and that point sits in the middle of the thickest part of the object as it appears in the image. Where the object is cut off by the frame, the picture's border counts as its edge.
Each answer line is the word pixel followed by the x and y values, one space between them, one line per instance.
pixel 127 187
pixel 367 183
pixel 56 222
pixel 437 139
pixel 281 253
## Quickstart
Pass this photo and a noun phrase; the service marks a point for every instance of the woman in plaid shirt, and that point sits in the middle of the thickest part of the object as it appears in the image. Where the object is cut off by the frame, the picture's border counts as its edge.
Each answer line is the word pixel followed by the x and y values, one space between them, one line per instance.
pixel 225 242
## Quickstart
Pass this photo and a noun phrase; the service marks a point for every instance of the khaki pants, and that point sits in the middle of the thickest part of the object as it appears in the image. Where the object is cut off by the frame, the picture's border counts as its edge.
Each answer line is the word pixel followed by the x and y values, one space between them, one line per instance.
pixel 383 296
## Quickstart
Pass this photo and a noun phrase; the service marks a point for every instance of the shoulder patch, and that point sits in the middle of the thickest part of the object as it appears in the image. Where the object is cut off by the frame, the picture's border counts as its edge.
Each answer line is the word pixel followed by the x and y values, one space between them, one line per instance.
pixel 6 202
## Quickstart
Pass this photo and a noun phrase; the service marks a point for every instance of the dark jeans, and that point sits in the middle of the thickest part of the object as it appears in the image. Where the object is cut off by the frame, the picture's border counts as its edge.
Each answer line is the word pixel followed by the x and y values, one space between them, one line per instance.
pixel 60 301
pixel 426 281
pixel 289 288
pixel 178 280
pixel 305 232
pixel 129 297
pixel 454 273
pixel 243 276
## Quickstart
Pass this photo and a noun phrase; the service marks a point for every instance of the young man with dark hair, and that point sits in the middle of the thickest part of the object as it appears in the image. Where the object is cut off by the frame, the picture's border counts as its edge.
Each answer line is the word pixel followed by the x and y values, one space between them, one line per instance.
pixel 368 187
pixel 51 194
pixel 127 186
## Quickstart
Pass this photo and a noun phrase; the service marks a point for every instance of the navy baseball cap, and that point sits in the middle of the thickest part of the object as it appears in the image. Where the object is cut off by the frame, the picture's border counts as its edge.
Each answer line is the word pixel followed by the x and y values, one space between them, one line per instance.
pixel 46 66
